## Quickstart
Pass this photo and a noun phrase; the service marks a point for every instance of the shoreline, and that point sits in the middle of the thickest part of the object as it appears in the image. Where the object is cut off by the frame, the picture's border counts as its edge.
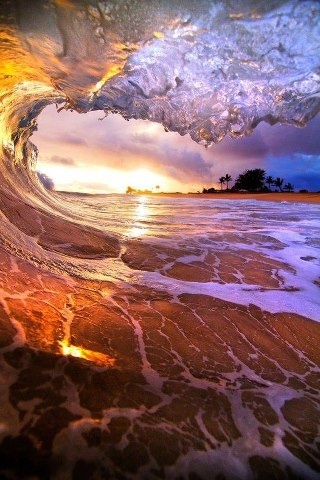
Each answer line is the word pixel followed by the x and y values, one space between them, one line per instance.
pixel 194 333
pixel 214 360
pixel 266 197
pixel 311 197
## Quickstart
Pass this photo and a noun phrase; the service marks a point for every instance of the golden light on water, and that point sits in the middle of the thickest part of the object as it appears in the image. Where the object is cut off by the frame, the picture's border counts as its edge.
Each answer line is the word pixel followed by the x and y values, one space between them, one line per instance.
pixel 141 212
pixel 98 358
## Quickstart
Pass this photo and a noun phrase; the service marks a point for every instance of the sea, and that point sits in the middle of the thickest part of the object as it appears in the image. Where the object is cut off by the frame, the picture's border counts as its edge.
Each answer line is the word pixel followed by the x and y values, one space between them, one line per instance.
pixel 283 232
pixel 162 337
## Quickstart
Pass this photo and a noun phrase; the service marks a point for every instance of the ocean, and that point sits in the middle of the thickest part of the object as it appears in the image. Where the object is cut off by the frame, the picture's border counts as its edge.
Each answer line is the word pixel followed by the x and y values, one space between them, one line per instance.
pixel 191 351
pixel 260 253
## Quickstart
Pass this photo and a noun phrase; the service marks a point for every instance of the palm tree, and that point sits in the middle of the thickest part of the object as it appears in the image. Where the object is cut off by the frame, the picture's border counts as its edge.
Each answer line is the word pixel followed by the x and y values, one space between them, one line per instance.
pixel 222 180
pixel 288 186
pixel 278 183
pixel 269 181
pixel 251 180
pixel 228 179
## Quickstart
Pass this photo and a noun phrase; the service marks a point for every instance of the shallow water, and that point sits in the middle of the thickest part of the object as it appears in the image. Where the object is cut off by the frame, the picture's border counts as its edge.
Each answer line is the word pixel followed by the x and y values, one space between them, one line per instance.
pixel 191 353
pixel 226 230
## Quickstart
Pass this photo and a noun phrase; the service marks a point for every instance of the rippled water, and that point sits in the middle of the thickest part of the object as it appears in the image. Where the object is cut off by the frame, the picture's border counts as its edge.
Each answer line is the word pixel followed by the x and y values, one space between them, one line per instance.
pixel 286 232
pixel 182 216
pixel 188 353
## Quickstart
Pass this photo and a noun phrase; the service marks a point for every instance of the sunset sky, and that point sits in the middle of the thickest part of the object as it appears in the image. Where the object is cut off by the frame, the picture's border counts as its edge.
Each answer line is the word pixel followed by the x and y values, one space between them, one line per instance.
pixel 82 153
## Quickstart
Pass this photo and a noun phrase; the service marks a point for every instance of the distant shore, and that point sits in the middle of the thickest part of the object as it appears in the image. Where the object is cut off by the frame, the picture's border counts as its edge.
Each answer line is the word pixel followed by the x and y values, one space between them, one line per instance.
pixel 266 197
pixel 311 197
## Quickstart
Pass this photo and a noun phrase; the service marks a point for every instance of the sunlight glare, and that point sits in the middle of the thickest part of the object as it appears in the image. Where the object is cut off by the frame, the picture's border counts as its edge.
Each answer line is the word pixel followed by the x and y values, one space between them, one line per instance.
pixel 101 179
pixel 98 358
pixel 141 212
pixel 144 179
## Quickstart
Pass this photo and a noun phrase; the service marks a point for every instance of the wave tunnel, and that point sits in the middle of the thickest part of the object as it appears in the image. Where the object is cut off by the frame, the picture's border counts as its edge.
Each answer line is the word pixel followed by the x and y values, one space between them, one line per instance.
pixel 168 351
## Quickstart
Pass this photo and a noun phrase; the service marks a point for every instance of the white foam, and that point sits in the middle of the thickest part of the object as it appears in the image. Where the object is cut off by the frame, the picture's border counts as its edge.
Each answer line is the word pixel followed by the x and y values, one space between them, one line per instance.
pixel 296 226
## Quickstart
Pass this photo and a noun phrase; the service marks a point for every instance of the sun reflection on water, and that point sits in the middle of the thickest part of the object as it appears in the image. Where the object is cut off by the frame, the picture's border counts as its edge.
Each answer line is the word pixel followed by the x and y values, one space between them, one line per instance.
pixel 141 212
pixel 98 358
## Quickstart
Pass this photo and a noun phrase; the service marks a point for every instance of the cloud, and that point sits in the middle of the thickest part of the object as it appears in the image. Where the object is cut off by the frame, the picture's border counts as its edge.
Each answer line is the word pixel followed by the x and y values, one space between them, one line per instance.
pixel 282 139
pixel 89 187
pixel 253 146
pixel 73 138
pixel 143 138
pixel 300 169
pixel 123 145
pixel 270 140
pixel 63 160
pixel 185 165
pixel 127 146
pixel 46 181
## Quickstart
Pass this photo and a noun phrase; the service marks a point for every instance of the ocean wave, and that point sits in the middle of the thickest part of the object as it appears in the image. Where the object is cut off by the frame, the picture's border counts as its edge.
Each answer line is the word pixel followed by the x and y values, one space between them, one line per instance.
pixel 203 69
pixel 177 349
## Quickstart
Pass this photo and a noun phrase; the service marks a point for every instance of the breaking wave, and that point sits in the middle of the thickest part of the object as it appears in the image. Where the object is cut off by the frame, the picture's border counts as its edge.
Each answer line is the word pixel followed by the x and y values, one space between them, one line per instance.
pixel 199 68
pixel 177 348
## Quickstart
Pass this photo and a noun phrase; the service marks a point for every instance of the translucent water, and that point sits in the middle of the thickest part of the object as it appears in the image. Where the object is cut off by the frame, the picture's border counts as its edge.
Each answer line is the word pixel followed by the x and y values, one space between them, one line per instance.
pixel 285 232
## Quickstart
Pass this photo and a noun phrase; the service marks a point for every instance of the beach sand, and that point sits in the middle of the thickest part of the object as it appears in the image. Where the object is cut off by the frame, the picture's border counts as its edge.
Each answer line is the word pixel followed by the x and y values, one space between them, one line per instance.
pixel 266 197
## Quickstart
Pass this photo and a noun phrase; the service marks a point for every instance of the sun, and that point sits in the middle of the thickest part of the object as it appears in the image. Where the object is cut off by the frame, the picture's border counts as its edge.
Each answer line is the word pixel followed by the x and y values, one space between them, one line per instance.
pixel 144 179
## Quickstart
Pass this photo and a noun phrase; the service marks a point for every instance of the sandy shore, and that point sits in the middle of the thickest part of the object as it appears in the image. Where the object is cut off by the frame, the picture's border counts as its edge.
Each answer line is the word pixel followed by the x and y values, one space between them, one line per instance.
pixel 266 197
pixel 312 197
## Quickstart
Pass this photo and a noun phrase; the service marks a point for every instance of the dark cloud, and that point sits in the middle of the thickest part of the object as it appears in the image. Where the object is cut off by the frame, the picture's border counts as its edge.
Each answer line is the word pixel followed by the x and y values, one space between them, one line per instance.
pixel 270 140
pixel 253 146
pixel 282 139
pixel 300 169
pixel 62 160
pixel 185 165
pixel 46 181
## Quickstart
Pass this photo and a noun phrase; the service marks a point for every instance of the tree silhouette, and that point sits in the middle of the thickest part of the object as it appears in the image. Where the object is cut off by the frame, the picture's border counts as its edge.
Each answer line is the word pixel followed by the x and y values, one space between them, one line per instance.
pixel 278 183
pixel 288 186
pixel 252 180
pixel 269 181
pixel 228 179
pixel 130 190
pixel 209 190
pixel 222 180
